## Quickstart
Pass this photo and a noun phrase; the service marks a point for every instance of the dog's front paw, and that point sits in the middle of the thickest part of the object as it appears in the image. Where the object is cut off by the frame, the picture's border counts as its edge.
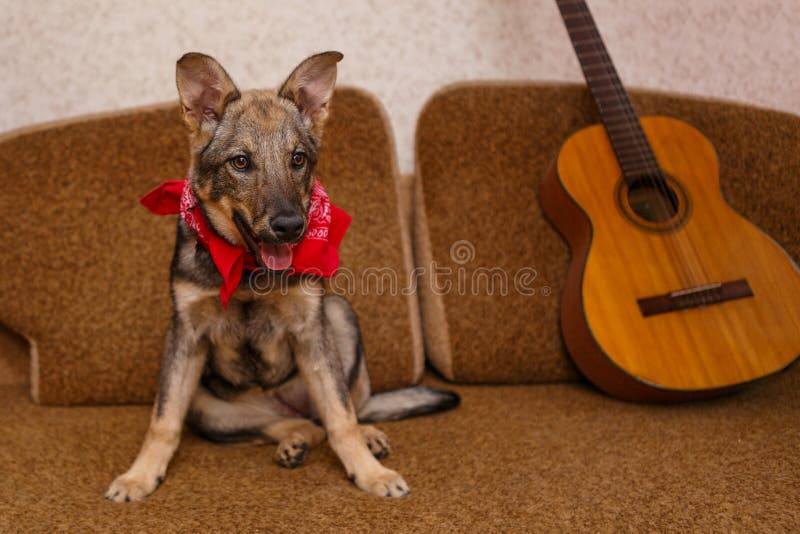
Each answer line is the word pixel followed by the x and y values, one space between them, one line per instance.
pixel 383 482
pixel 291 451
pixel 130 487
pixel 377 442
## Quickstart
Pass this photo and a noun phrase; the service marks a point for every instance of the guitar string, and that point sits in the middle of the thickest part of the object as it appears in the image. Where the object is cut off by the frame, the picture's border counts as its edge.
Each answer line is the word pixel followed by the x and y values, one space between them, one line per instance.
pixel 687 253
pixel 683 249
pixel 654 174
pixel 588 25
pixel 687 250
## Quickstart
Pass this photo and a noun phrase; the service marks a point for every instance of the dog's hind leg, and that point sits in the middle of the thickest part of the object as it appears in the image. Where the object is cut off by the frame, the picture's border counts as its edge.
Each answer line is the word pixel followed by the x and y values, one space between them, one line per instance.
pixel 295 437
pixel 254 417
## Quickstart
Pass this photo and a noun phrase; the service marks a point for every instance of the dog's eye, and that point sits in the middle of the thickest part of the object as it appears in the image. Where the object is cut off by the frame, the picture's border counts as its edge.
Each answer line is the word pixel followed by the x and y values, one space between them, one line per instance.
pixel 240 163
pixel 298 159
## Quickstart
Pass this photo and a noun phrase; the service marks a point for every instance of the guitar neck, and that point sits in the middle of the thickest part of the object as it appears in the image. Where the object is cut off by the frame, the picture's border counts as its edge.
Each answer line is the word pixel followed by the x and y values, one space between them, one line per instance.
pixel 624 130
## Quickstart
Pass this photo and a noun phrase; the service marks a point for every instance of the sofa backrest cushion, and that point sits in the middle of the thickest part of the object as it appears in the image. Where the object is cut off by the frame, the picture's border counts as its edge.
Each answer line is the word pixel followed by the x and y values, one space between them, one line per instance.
pixel 84 268
pixel 483 148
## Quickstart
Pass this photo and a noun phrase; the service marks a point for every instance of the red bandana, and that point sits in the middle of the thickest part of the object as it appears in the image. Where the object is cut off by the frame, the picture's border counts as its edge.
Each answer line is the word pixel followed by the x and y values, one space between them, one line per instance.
pixel 316 254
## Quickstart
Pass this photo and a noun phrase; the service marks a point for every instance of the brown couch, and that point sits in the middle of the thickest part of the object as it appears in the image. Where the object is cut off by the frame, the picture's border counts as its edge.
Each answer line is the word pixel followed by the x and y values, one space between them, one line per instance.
pixel 83 296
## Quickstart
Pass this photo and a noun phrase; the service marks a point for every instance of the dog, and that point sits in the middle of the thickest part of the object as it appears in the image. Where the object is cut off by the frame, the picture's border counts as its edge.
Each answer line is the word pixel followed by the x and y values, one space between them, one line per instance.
pixel 272 364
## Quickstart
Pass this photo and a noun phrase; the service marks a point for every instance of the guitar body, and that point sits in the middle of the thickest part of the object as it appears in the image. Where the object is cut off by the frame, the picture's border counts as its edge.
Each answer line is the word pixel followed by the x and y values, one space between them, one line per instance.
pixel 625 318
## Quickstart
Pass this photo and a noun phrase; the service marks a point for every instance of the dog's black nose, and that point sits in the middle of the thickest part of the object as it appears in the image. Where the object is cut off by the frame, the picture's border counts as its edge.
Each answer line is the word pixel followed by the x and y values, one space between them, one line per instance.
pixel 287 225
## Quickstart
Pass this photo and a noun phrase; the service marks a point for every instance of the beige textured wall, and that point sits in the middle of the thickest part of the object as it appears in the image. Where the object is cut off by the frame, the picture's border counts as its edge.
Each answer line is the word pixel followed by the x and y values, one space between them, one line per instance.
pixel 64 58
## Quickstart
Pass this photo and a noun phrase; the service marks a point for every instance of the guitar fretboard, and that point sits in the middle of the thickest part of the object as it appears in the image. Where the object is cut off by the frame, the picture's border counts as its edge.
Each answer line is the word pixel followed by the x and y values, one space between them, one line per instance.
pixel 630 145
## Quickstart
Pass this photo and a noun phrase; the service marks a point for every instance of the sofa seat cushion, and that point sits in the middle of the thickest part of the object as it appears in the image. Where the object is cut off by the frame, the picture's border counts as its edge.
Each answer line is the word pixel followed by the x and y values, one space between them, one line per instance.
pixel 544 457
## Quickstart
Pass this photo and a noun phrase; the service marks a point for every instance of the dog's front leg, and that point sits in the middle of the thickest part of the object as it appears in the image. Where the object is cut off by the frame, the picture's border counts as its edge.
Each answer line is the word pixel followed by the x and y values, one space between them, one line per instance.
pixel 321 369
pixel 181 367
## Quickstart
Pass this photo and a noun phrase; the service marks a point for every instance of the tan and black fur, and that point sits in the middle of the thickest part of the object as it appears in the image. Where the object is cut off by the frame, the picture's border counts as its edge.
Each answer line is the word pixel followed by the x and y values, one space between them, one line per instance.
pixel 274 363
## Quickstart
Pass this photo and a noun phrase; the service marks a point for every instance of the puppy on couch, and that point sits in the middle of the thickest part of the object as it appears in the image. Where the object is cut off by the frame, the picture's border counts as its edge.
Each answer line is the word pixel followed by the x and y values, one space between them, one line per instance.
pixel 256 351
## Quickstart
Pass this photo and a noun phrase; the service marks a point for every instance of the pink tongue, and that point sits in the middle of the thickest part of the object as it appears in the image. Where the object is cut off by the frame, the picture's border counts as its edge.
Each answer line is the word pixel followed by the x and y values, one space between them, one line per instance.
pixel 276 257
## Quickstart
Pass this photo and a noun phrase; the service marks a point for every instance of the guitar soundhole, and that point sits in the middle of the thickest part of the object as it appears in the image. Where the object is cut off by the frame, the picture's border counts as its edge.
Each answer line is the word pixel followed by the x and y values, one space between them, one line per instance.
pixel 657 204
pixel 653 202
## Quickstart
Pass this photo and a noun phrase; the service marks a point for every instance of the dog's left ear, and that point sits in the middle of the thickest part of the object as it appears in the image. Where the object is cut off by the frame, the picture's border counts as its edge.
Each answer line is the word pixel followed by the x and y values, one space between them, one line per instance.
pixel 310 87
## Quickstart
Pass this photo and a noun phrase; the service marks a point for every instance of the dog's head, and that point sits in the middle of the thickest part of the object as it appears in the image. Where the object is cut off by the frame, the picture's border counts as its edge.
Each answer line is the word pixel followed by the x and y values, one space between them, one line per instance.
pixel 253 154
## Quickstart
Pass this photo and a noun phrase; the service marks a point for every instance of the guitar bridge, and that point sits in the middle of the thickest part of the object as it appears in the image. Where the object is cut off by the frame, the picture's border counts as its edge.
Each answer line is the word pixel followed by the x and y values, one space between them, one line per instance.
pixel 695 297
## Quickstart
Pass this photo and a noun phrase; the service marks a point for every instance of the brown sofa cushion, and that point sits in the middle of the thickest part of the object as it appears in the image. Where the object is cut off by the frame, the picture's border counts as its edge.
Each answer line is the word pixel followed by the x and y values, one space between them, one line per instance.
pixel 482 150
pixel 557 457
pixel 84 268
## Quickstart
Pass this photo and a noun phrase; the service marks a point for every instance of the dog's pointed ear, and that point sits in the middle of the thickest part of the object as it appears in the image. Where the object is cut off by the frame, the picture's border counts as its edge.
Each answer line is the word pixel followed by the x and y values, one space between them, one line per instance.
pixel 204 89
pixel 310 87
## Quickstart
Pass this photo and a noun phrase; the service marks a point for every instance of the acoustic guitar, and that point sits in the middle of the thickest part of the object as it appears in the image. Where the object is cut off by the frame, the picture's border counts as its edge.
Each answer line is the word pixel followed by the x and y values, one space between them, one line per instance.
pixel 670 294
